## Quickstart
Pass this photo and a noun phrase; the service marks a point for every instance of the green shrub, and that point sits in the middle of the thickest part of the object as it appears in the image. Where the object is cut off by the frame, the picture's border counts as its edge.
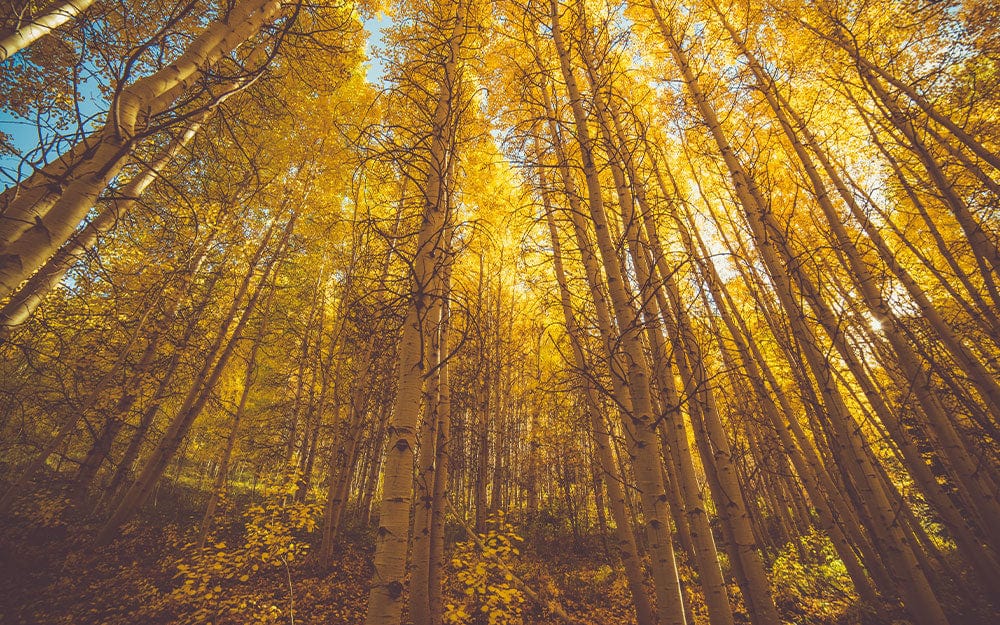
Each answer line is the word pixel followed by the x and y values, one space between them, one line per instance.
pixel 817 590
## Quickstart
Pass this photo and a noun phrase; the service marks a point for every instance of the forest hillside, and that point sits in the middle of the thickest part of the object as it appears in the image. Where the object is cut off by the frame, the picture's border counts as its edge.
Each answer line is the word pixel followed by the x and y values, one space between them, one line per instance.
pixel 576 312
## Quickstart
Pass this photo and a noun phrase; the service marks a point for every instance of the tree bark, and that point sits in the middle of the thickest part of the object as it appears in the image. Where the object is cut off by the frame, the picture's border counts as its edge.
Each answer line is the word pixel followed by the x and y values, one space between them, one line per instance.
pixel 385 601
pixel 37 27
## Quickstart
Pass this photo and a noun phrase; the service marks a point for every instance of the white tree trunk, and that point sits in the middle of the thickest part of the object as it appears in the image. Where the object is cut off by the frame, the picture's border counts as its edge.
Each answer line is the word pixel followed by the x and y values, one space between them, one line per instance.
pixel 40 26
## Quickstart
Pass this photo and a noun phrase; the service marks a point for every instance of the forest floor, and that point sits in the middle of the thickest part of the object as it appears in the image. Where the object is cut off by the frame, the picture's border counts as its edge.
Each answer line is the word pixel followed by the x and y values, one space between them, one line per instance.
pixel 51 572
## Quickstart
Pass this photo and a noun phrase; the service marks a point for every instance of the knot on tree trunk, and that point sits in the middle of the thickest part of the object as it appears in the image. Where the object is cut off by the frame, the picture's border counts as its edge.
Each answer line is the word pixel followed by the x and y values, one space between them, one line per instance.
pixel 395 589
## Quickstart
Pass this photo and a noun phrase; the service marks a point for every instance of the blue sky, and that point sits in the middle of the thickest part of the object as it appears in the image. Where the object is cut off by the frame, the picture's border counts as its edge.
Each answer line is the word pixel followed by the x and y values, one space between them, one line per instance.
pixel 374 27
pixel 25 132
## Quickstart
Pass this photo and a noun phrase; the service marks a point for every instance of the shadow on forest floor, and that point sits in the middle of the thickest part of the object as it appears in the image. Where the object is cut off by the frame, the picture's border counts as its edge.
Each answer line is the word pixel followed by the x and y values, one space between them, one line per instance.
pixel 50 572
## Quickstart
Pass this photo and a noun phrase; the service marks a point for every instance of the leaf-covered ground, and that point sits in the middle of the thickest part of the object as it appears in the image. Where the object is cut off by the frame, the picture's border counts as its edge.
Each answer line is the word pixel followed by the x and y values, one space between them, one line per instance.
pixel 51 572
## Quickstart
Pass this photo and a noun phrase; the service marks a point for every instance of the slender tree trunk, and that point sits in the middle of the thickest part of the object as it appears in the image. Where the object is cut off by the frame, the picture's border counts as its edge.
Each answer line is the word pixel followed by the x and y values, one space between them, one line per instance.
pixel 625 545
pixel 653 304
pixel 645 444
pixel 385 602
pixel 443 458
pixel 482 438
pixel 378 444
pixel 222 476
pixel 427 439
pixel 300 377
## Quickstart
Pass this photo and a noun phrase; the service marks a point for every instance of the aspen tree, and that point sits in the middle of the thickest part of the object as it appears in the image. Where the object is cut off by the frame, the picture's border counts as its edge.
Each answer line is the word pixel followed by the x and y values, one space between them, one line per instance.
pixel 653 306
pixel 427 438
pixel 590 262
pixel 39 217
pixel 648 476
pixel 443 451
pixel 38 26
pixel 594 280
pixel 385 602
pixel 811 471
pixel 624 538
pixel 431 488
pixel 303 370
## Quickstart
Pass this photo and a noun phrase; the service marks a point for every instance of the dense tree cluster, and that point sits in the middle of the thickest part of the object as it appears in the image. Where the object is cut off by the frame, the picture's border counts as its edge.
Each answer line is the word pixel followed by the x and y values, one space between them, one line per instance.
pixel 715 283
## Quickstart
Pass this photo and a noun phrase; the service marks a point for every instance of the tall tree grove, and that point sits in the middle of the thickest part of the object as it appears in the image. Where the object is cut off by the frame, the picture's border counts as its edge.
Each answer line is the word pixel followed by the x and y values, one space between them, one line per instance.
pixel 457 312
